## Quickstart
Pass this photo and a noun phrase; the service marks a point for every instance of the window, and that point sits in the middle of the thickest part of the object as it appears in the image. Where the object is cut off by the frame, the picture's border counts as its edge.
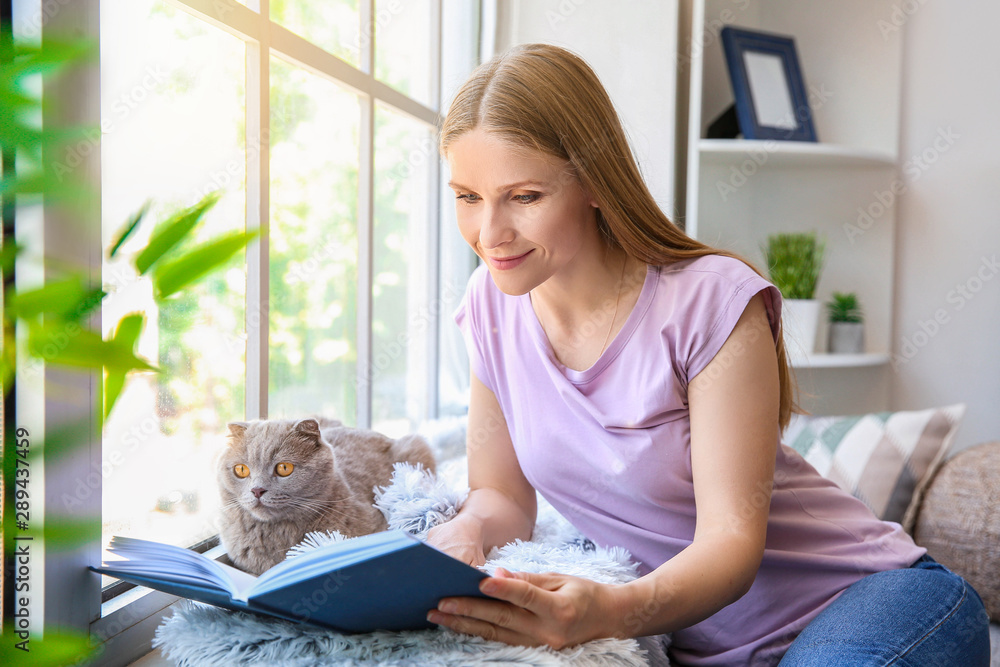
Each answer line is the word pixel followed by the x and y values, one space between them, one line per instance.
pixel 327 143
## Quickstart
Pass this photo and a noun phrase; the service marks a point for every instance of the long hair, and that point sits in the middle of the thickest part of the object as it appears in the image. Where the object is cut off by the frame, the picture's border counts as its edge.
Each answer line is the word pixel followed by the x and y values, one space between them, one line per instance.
pixel 546 98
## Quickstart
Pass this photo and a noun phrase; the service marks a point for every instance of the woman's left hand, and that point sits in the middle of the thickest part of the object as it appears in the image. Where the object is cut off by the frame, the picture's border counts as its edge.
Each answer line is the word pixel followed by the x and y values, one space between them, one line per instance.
pixel 530 609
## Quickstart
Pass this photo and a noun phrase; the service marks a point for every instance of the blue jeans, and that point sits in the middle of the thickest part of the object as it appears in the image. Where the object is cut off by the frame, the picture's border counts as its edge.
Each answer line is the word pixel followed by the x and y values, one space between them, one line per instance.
pixel 924 615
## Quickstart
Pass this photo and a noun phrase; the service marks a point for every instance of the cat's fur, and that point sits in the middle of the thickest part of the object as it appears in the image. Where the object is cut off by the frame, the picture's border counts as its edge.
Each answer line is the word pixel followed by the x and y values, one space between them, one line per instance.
pixel 331 487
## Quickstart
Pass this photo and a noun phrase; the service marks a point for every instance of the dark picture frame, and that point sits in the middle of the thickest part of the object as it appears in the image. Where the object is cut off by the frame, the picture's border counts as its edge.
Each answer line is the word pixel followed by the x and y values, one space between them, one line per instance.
pixel 771 99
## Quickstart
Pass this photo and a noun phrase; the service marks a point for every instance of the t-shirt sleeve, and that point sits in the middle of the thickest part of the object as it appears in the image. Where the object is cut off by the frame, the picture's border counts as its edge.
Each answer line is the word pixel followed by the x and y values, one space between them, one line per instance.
pixel 719 296
pixel 470 317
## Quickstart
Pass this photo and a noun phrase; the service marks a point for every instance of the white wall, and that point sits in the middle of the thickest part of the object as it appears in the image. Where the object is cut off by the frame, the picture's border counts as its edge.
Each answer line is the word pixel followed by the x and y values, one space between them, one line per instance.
pixel 632 52
pixel 949 217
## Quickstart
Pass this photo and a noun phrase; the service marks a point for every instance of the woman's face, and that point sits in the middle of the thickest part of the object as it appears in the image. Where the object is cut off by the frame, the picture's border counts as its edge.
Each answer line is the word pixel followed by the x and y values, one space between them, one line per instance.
pixel 522 211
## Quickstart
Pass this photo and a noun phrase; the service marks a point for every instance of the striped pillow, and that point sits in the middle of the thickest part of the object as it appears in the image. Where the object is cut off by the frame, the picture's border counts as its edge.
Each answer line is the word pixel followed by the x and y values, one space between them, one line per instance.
pixel 884 459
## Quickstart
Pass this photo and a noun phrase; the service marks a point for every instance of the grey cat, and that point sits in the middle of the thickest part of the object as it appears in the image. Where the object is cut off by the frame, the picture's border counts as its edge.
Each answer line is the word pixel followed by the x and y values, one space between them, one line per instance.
pixel 280 479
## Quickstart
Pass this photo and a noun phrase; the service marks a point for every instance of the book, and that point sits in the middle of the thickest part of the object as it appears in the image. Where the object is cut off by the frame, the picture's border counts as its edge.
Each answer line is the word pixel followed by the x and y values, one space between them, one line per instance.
pixel 382 581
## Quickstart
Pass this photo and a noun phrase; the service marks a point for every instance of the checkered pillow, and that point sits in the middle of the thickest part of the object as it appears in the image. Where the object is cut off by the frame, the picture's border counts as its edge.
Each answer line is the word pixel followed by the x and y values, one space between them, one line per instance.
pixel 885 459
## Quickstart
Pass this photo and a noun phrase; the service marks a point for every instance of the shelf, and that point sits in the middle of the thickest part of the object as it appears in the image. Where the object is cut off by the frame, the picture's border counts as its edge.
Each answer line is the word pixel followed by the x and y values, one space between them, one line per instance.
pixel 724 152
pixel 824 360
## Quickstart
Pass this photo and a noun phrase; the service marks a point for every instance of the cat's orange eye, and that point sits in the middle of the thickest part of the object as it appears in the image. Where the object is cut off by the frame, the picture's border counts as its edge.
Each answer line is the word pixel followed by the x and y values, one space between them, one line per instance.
pixel 284 469
pixel 241 470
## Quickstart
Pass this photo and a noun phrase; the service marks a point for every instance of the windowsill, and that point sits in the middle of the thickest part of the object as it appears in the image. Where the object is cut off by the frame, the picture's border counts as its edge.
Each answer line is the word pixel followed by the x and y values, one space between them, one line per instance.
pixel 129 621
pixel 152 659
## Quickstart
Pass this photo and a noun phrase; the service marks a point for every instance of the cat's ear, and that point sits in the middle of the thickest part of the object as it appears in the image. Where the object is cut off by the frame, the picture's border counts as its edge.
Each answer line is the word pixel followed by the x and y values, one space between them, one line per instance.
pixel 309 427
pixel 237 430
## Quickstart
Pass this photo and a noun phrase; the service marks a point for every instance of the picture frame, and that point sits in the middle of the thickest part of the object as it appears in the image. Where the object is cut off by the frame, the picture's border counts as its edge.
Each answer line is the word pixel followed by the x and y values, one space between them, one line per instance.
pixel 771 99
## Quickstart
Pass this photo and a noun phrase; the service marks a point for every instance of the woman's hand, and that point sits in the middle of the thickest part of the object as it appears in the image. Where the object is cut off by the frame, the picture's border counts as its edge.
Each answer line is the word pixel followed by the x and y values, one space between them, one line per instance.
pixel 529 609
pixel 460 538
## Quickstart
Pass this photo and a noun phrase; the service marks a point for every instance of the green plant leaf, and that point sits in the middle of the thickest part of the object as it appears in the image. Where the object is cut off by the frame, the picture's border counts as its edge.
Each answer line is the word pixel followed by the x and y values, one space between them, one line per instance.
pixel 794 262
pixel 126 334
pixel 52 55
pixel 54 186
pixel 69 344
pixel 54 650
pixel 174 276
pixel 127 229
pixel 69 298
pixel 8 253
pixel 172 232
pixel 66 533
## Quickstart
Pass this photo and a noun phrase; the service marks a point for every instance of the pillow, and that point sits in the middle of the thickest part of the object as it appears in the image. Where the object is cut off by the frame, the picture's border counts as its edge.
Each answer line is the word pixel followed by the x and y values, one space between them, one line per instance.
pixel 885 459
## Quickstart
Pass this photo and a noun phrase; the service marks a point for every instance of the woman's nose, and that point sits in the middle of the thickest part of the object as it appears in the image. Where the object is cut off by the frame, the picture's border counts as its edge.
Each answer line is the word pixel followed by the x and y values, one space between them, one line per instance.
pixel 495 229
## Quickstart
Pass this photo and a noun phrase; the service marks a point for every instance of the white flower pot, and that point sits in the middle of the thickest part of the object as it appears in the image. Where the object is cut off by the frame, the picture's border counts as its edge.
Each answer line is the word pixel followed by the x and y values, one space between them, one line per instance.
pixel 846 338
pixel 800 320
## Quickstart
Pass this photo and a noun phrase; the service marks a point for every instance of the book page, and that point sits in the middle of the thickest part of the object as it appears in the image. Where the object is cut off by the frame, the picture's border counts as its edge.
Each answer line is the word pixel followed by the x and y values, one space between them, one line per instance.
pixel 173 563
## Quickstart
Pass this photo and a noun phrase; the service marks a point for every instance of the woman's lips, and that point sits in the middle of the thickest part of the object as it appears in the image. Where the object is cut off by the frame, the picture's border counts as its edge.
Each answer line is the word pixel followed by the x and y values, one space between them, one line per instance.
pixel 507 263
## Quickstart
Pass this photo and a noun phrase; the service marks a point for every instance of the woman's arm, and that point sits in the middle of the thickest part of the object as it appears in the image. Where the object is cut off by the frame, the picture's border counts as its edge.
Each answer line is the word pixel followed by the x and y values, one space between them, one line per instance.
pixel 501 505
pixel 734 433
pixel 733 406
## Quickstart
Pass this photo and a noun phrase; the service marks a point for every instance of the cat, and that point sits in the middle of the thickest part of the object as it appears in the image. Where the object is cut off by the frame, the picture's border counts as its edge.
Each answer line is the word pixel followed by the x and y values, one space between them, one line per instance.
pixel 280 479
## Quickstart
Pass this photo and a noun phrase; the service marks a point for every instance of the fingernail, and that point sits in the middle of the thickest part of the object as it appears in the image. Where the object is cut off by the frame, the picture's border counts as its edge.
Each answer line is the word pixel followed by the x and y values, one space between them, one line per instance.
pixel 447 606
pixel 434 617
pixel 488 586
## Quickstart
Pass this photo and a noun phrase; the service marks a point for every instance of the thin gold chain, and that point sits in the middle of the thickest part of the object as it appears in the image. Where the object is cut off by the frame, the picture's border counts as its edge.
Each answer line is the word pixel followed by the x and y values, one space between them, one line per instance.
pixel 611 327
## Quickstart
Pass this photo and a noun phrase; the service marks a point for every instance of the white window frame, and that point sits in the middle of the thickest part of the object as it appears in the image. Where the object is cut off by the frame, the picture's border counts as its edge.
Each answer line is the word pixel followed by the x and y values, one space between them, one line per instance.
pixel 71 597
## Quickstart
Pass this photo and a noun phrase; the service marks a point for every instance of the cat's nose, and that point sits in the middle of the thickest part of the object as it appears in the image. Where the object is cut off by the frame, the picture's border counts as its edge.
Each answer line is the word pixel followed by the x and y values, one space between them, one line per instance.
pixel 257 491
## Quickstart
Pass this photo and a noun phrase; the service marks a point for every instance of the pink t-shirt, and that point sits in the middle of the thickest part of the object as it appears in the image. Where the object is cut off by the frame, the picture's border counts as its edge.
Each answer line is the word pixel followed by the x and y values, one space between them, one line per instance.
pixel 609 448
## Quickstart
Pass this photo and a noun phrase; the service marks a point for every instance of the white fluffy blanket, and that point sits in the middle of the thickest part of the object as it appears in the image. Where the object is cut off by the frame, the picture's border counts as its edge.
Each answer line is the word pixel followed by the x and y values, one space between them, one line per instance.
pixel 415 501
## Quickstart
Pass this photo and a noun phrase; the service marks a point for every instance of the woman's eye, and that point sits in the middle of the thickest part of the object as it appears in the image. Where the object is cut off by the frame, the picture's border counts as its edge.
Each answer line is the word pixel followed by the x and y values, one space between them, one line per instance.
pixel 241 471
pixel 284 469
pixel 468 199
pixel 527 199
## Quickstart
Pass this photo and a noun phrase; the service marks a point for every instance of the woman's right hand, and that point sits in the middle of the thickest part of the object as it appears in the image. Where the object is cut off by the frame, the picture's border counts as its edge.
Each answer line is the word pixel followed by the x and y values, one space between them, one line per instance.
pixel 461 538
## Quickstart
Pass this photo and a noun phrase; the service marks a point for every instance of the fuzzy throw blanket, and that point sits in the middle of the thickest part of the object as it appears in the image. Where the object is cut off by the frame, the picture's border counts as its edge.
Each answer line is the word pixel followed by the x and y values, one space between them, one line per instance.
pixel 414 501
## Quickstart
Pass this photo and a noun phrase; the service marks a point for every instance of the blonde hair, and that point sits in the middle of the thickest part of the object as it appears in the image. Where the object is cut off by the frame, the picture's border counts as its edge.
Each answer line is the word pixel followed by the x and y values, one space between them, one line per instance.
pixel 546 98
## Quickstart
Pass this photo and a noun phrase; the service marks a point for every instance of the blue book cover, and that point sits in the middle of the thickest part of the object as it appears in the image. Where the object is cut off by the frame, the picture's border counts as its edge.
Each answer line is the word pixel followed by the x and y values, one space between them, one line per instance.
pixel 383 581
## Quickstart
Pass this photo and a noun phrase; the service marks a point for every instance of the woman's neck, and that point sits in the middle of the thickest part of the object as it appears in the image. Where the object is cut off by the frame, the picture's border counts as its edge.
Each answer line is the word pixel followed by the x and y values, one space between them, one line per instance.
pixel 571 297
pixel 582 312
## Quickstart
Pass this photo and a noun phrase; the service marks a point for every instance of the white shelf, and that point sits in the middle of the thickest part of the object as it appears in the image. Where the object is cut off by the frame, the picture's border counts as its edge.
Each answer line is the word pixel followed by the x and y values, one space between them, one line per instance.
pixel 765 154
pixel 825 360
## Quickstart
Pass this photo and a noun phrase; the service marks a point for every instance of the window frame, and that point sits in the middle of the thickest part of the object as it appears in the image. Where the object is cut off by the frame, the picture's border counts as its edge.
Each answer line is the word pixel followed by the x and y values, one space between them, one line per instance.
pixel 123 625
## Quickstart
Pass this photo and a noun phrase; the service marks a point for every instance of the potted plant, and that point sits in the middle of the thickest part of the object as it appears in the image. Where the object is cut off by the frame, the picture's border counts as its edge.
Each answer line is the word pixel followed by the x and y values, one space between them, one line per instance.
pixel 794 261
pixel 847 329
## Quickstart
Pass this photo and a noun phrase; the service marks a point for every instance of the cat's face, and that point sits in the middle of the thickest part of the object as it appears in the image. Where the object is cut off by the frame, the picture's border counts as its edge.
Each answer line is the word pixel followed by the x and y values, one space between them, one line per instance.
pixel 276 470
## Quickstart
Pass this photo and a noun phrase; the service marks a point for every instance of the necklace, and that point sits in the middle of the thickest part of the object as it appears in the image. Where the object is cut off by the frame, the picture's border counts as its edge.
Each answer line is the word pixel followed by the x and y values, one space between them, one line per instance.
pixel 621 284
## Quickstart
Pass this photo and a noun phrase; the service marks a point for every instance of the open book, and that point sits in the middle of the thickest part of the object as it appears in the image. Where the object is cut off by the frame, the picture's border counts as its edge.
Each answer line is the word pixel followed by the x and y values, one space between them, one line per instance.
pixel 382 581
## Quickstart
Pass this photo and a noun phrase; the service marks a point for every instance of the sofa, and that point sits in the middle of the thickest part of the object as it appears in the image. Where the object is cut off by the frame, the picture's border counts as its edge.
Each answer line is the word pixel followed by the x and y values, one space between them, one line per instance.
pixel 904 467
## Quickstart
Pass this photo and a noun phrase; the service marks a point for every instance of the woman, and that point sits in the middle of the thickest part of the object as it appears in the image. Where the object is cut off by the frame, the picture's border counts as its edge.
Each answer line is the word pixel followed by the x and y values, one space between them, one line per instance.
pixel 638 380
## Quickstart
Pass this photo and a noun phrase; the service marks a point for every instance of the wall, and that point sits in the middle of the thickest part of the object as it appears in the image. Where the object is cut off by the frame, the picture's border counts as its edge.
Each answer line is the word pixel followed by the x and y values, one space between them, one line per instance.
pixel 947 319
pixel 632 53
pixel 946 324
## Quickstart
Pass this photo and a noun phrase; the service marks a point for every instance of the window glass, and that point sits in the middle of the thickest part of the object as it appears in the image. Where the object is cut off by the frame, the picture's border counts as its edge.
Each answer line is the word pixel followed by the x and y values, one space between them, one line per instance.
pixel 313 246
pixel 172 110
pixel 403 47
pixel 402 317
pixel 333 25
